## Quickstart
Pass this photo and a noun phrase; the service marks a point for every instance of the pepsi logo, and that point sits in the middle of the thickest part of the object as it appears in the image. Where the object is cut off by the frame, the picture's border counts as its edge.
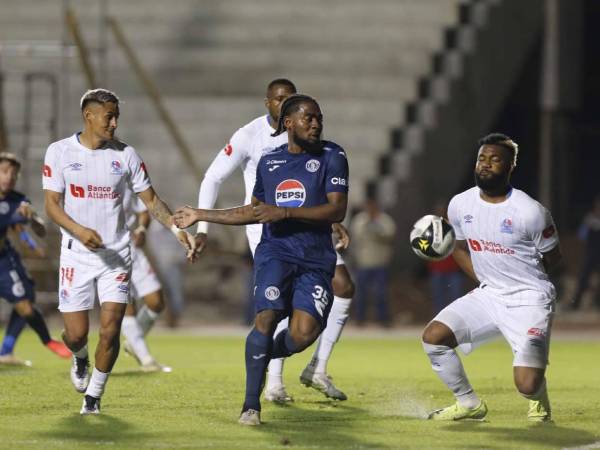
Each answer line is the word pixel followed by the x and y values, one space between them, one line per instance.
pixel 290 194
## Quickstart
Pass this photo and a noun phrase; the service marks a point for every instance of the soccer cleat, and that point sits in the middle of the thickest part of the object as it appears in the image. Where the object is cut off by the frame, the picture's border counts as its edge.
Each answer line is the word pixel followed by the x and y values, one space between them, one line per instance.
pixel 277 394
pixel 91 405
pixel 129 350
pixel 59 349
pixel 540 410
pixel 80 373
pixel 322 383
pixel 11 360
pixel 250 417
pixel 154 366
pixel 458 412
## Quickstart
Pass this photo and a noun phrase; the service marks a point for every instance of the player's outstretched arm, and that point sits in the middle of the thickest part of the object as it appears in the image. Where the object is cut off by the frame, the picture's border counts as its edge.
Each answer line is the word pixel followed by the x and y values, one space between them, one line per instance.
pixel 36 222
pixel 241 215
pixel 333 211
pixel 161 212
pixel 55 211
pixel 463 258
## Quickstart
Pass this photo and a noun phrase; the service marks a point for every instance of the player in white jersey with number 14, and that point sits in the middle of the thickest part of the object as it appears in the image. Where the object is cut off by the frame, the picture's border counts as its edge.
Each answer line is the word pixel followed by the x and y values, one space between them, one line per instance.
pixel 507 242
pixel 244 150
pixel 85 178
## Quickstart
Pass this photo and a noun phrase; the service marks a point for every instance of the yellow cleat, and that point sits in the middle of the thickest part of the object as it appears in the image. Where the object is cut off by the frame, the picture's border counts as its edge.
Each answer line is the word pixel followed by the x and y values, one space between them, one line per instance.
pixel 458 412
pixel 539 410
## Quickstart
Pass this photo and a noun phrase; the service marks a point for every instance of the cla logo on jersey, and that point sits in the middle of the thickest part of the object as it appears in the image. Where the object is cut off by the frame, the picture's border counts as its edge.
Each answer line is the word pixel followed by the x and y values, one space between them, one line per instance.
pixel 290 194
pixel 77 191
pixel 272 293
pixel 468 218
pixel 313 165
pixel 115 168
pixel 339 181
pixel 4 207
pixel 75 167
pixel 228 149
pixel 47 171
pixel 548 232
pixel 506 226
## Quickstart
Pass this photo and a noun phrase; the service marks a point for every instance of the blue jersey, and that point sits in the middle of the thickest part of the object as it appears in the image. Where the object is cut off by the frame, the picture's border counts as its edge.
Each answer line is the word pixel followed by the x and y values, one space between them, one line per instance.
pixel 9 216
pixel 295 180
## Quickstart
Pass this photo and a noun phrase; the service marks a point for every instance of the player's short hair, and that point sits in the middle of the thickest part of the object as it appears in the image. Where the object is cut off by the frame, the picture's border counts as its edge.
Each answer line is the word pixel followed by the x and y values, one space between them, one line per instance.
pixel 281 82
pixel 11 158
pixel 98 96
pixel 289 106
pixel 501 140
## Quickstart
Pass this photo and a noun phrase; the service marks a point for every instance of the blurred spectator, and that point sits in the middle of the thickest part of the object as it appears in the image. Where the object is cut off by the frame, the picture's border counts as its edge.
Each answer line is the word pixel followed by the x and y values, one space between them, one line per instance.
pixel 372 233
pixel 589 233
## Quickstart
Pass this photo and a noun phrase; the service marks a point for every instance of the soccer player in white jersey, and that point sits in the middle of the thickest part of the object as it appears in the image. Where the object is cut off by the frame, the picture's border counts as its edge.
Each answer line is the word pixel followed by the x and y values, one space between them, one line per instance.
pixel 507 242
pixel 145 286
pixel 84 178
pixel 244 150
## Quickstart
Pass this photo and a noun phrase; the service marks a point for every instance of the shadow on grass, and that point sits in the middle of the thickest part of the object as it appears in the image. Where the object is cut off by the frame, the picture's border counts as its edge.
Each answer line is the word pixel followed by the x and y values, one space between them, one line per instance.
pixel 548 434
pixel 97 430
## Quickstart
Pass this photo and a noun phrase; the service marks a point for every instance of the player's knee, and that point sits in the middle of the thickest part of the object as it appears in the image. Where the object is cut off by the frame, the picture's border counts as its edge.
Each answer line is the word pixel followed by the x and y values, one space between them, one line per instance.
pixel 75 339
pixel 266 321
pixel 303 336
pixel 24 309
pixel 436 333
pixel 155 302
pixel 343 288
pixel 528 384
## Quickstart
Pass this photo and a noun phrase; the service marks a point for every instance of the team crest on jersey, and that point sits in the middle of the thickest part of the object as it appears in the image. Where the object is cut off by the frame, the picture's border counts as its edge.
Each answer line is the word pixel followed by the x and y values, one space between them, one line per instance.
pixel 272 293
pixel 468 218
pixel 75 167
pixel 313 165
pixel 290 194
pixel 4 207
pixel 506 226
pixel 115 168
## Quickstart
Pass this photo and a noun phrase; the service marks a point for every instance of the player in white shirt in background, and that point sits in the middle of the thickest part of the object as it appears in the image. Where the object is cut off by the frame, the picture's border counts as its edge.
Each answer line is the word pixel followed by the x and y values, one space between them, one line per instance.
pixel 85 177
pixel 507 242
pixel 244 150
pixel 145 286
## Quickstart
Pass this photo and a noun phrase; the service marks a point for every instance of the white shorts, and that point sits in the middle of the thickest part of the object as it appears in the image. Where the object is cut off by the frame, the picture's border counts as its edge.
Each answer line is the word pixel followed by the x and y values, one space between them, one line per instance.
pixel 479 317
pixel 81 273
pixel 254 232
pixel 143 277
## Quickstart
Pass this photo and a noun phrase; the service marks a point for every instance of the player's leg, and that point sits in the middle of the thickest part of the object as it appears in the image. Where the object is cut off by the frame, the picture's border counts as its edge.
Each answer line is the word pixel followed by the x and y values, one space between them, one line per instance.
pixel 315 374
pixel 35 320
pixel 13 329
pixel 465 323
pixel 273 282
pixel 75 336
pixel 275 389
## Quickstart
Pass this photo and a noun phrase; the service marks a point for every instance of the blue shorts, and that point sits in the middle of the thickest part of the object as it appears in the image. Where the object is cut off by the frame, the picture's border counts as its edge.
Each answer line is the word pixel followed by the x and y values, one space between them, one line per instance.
pixel 284 286
pixel 15 282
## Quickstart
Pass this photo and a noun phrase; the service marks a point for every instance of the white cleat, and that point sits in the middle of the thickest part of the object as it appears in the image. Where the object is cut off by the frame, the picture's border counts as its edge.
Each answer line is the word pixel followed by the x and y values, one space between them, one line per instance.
pixel 250 417
pixel 11 360
pixel 277 394
pixel 80 371
pixel 322 383
pixel 91 405
pixel 154 366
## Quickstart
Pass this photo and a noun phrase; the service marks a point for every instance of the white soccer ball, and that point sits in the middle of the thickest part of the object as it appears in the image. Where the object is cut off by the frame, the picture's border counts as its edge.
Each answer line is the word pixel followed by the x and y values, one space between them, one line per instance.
pixel 432 238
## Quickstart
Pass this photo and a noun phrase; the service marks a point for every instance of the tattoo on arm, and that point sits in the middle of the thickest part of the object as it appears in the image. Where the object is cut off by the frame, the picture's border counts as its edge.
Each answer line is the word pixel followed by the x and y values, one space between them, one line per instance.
pixel 161 212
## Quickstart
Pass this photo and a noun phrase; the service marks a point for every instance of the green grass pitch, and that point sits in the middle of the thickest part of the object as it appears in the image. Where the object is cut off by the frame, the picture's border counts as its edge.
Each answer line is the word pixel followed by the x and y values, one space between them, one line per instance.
pixel 388 381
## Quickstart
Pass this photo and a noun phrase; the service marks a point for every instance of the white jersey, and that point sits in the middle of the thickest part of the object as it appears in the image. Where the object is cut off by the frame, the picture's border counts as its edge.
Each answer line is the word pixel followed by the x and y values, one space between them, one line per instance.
pixel 94 183
pixel 506 241
pixel 244 150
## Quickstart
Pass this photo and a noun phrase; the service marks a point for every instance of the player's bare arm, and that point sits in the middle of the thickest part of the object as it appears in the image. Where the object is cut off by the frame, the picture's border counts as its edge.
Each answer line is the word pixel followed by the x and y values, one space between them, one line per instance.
pixel 55 211
pixel 552 259
pixel 161 212
pixel 463 258
pixel 341 235
pixel 240 215
pixel 36 222
pixel 139 234
pixel 333 211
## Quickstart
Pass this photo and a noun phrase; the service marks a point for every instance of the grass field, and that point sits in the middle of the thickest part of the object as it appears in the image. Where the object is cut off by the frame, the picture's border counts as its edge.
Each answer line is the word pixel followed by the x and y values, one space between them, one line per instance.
pixel 388 381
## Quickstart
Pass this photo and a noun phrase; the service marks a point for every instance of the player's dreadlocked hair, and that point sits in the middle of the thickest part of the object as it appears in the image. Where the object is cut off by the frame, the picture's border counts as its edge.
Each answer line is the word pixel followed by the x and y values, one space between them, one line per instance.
pixel 289 106
pixel 503 141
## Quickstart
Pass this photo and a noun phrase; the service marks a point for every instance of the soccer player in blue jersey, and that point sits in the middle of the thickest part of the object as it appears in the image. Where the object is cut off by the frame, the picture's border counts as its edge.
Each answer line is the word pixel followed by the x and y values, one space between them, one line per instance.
pixel 15 284
pixel 301 189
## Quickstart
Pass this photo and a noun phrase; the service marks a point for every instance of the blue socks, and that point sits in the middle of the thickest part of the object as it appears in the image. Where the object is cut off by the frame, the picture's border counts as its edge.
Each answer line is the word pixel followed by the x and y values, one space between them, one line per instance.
pixel 283 346
pixel 258 355
pixel 15 325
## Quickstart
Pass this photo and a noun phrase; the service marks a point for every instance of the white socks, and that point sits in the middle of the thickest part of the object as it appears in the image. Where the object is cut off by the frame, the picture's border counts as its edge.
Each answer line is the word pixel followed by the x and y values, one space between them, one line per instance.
pixel 275 368
pixel 82 353
pixel 132 331
pixel 340 310
pixel 146 318
pixel 97 383
pixel 448 366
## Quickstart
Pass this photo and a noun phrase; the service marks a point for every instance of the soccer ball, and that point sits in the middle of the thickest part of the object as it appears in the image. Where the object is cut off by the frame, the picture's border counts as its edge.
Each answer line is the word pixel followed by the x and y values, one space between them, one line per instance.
pixel 432 238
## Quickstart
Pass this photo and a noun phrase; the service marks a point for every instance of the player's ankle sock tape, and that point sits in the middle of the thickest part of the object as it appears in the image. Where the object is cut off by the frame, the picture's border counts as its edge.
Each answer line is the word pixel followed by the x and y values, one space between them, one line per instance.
pixel 258 355
pixel 538 394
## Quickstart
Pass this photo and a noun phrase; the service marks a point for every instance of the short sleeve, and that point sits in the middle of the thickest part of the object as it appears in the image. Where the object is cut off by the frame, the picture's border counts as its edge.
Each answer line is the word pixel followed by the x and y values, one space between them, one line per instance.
pixel 336 177
pixel 542 230
pixel 454 219
pixel 52 176
pixel 140 180
pixel 259 189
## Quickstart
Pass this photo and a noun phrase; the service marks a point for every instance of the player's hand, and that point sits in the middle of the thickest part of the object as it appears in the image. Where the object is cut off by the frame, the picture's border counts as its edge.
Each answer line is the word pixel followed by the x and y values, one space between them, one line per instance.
pixel 26 210
pixel 264 213
pixel 201 242
pixel 185 217
pixel 139 238
pixel 340 233
pixel 189 243
pixel 90 238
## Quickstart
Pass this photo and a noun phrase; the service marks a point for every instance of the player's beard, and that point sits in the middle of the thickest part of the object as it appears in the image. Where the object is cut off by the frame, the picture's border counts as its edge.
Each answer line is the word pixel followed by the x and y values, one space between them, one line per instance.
pixel 308 146
pixel 495 183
